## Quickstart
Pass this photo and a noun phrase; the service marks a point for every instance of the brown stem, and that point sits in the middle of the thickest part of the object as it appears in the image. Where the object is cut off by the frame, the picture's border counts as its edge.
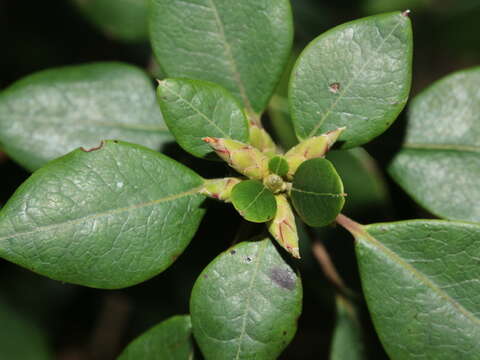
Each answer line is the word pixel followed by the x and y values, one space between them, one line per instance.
pixel 351 226
pixel 329 269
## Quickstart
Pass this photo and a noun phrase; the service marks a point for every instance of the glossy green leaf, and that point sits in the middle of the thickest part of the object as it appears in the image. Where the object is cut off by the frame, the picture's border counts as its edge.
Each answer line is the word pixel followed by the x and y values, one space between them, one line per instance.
pixel 125 20
pixel 355 75
pixel 421 282
pixel 347 342
pixel 47 114
pixel 20 339
pixel 254 201
pixel 362 180
pixel 107 218
pixel 245 304
pixel 195 109
pixel 439 164
pixel 317 192
pixel 241 45
pixel 278 165
pixel 171 339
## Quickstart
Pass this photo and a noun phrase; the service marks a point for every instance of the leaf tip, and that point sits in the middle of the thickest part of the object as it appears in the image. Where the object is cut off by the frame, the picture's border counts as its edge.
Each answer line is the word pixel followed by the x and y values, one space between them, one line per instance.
pixel 406 13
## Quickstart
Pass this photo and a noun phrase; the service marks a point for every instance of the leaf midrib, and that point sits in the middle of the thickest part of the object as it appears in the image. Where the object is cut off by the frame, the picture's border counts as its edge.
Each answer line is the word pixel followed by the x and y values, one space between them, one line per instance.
pixel 247 304
pixel 365 235
pixel 231 60
pixel 446 147
pixel 99 123
pixel 350 83
pixel 67 223
pixel 318 194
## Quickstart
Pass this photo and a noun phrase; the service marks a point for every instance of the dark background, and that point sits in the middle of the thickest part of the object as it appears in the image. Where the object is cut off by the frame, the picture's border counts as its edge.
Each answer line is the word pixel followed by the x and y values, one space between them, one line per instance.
pixel 83 323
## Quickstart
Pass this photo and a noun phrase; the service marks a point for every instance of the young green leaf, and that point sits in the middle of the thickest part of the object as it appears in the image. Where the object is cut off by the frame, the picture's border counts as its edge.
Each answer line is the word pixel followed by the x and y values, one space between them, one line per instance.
pixel 317 192
pixel 241 45
pixel 245 304
pixel 421 282
pixel 283 227
pixel 254 201
pixel 171 339
pixel 20 338
pixel 439 164
pixel 47 114
pixel 125 20
pixel 347 342
pixel 108 217
pixel 356 75
pixel 278 165
pixel 195 109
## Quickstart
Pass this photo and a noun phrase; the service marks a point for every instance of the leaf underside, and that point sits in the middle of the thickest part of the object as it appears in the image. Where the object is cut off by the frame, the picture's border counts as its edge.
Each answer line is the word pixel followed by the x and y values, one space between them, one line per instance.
pixel 439 164
pixel 47 114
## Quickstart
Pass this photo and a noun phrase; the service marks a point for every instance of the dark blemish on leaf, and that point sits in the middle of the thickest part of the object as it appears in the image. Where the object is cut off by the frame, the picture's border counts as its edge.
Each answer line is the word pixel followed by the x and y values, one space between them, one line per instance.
pixel 93 148
pixel 249 259
pixel 205 276
pixel 334 87
pixel 284 278
pixel 284 333
pixel 406 13
pixel 233 252
pixel 115 141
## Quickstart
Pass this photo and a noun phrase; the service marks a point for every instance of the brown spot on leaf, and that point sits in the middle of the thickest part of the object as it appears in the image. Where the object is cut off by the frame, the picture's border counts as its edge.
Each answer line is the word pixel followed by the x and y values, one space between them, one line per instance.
pixel 249 259
pixel 205 276
pixel 233 252
pixel 334 87
pixel 93 148
pixel 283 277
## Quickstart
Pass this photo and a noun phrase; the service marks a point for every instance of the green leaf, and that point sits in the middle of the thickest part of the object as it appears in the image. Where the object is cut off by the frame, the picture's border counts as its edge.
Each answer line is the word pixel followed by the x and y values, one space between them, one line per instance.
pixel 278 165
pixel 254 201
pixel 241 45
pixel 47 114
pixel 362 180
pixel 245 304
pixel 125 20
pixel 171 339
pixel 347 343
pixel 420 280
pixel 196 109
pixel 20 338
pixel 356 75
pixel 439 164
pixel 317 192
pixel 106 218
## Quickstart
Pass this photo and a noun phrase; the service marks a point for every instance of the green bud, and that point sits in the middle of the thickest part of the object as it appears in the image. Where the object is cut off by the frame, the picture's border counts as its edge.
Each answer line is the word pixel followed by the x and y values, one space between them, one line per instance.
pixel 219 189
pixel 274 183
pixel 283 227
pixel 260 139
pixel 313 147
pixel 244 158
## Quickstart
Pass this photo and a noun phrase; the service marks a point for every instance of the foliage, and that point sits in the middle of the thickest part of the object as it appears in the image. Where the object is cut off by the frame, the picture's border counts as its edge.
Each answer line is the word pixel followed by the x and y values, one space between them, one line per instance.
pixel 105 209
